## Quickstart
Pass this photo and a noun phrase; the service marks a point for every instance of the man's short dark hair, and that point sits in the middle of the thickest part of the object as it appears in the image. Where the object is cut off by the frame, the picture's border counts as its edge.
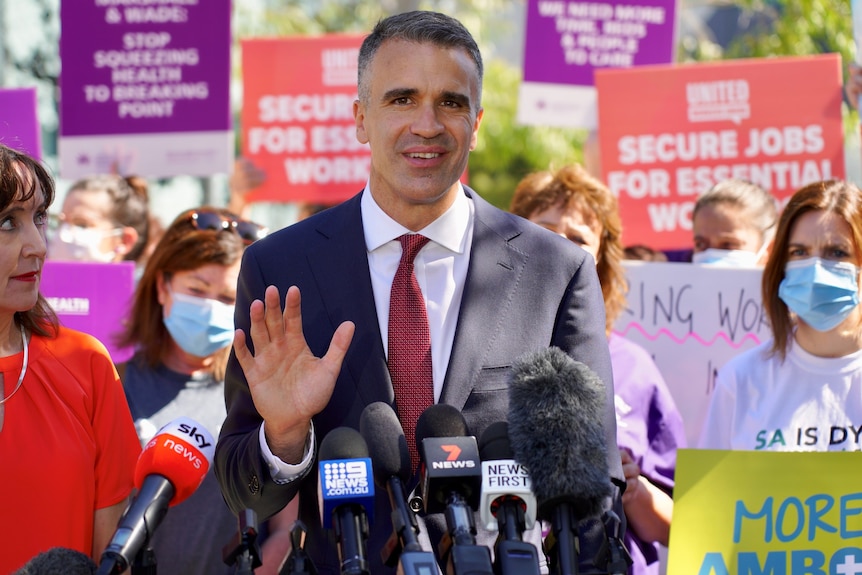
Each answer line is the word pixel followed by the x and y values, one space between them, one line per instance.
pixel 422 27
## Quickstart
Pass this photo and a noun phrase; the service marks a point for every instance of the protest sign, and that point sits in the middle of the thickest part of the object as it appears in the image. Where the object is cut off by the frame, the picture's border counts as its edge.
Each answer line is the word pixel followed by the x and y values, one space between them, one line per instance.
pixel 97 302
pixel 669 133
pixel 856 11
pixel 297 124
pixel 777 513
pixel 19 123
pixel 566 40
pixel 145 88
pixel 692 319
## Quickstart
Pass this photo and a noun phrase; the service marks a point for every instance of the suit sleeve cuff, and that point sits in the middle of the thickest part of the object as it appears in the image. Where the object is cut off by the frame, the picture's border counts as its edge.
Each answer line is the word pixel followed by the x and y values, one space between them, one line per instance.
pixel 283 473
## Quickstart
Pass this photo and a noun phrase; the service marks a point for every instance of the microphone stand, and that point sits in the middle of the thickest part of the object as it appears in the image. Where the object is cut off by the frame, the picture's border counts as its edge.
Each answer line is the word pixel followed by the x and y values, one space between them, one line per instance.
pixel 620 559
pixel 458 547
pixel 351 531
pixel 562 542
pixel 297 561
pixel 145 562
pixel 513 556
pixel 243 549
pixel 403 548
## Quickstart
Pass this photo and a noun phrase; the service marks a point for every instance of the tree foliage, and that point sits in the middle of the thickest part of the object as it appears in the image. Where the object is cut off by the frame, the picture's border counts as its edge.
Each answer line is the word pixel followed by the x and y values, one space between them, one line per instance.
pixel 508 151
pixel 795 28
pixel 769 28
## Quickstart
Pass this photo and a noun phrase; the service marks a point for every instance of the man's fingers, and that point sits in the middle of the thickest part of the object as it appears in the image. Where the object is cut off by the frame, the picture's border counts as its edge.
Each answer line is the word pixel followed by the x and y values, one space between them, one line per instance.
pixel 241 351
pixel 274 322
pixel 293 312
pixel 257 328
pixel 338 346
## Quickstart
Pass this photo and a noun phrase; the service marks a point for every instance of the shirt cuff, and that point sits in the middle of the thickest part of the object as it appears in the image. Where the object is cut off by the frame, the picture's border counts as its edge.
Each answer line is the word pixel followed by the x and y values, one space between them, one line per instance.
pixel 283 473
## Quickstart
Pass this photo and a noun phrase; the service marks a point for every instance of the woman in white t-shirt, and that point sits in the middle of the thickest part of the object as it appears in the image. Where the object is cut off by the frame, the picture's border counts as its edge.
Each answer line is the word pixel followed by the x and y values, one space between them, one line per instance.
pixel 802 389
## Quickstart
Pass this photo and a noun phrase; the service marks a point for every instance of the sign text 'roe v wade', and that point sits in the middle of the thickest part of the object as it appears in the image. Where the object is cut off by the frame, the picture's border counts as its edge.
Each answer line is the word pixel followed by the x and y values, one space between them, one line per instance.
pixel 297 119
pixel 145 88
pixel 696 125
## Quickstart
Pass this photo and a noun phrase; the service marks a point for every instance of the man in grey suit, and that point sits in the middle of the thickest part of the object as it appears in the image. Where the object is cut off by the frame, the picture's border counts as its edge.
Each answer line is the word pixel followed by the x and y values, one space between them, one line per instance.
pixel 495 287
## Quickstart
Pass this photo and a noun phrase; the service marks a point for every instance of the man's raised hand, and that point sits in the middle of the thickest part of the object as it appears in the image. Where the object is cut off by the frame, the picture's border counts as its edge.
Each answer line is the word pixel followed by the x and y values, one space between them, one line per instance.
pixel 288 384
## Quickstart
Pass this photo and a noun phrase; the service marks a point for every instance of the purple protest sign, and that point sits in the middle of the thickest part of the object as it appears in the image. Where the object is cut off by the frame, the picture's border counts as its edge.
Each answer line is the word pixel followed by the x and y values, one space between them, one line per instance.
pixel 566 40
pixel 145 87
pixel 19 124
pixel 97 302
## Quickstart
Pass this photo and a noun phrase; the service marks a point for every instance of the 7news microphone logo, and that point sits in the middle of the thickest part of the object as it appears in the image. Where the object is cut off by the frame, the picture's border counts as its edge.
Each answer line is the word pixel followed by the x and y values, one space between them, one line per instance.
pixel 457 453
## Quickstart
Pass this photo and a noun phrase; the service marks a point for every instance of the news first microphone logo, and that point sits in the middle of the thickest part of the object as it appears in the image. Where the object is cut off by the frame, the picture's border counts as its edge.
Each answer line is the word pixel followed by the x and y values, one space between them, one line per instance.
pixel 505 479
pixel 505 474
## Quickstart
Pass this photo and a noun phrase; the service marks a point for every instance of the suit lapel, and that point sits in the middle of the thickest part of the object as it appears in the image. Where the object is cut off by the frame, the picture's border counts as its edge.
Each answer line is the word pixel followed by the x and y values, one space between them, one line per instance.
pixel 340 267
pixel 489 292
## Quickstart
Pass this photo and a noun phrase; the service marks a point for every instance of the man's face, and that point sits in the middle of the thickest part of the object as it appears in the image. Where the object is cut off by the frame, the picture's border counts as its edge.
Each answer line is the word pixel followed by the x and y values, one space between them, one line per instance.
pixel 420 121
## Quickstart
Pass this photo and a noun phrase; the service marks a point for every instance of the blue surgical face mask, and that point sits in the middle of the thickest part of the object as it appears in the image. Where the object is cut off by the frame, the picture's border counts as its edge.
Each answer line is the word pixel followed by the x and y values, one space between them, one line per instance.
pixel 821 292
pixel 726 258
pixel 200 326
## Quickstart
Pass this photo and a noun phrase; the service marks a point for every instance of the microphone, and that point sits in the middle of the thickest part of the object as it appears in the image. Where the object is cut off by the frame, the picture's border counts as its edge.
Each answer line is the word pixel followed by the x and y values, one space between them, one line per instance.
pixel 451 483
pixel 382 430
pixel 507 503
pixel 347 495
pixel 170 468
pixel 58 560
pixel 556 427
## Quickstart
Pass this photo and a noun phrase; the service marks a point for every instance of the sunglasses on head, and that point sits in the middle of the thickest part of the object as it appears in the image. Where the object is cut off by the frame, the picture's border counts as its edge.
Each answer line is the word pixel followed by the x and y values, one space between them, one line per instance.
pixel 248 231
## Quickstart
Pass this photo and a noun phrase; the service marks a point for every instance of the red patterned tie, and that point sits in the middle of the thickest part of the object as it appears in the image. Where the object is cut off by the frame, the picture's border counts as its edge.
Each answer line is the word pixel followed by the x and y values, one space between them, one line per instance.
pixel 409 344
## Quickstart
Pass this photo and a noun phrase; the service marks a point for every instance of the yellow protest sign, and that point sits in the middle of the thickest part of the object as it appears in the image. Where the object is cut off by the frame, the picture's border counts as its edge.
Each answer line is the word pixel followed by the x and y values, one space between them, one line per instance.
pixel 766 513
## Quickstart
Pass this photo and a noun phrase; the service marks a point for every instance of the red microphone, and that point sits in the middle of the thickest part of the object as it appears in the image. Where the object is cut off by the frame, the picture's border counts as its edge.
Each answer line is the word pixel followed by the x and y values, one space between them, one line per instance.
pixel 170 468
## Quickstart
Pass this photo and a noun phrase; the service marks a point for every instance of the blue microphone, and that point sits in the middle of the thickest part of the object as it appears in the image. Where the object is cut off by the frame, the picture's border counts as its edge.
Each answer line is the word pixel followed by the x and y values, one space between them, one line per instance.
pixel 346 489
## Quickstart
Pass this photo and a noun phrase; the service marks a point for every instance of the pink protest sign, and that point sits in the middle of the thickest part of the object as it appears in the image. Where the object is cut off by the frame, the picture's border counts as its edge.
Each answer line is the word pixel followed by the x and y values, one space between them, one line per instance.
pixel 91 297
pixel 19 124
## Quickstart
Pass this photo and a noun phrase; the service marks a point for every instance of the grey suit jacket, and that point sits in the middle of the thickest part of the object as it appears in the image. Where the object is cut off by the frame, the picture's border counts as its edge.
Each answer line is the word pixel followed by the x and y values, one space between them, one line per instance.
pixel 526 289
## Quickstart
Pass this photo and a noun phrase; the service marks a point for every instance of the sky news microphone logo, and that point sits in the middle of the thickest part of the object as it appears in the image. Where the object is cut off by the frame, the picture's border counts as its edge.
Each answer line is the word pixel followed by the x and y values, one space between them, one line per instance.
pixel 348 477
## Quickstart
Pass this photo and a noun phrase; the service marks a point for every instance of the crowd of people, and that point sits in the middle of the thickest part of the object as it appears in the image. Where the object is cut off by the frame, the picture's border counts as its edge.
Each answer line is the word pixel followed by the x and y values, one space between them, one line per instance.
pixel 272 340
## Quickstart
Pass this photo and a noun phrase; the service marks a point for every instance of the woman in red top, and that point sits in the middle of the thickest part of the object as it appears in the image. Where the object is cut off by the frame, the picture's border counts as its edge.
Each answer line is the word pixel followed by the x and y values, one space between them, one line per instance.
pixel 68 446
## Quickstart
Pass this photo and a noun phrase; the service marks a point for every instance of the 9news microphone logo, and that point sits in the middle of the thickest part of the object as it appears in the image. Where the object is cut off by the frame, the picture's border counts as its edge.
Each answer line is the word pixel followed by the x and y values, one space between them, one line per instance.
pixel 346 477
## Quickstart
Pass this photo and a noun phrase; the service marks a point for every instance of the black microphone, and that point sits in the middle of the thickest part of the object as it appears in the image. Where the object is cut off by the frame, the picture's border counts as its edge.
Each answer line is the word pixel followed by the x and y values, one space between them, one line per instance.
pixel 556 426
pixel 451 483
pixel 58 561
pixel 508 505
pixel 346 485
pixel 390 457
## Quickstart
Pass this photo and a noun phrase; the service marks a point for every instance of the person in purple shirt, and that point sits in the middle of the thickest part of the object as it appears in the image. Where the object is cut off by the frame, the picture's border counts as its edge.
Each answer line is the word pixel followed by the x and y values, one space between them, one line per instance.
pixel 572 203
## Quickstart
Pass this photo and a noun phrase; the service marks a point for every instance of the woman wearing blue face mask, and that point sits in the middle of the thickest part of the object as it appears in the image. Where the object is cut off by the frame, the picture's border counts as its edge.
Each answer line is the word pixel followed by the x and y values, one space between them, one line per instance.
pixel 181 325
pixel 733 224
pixel 802 390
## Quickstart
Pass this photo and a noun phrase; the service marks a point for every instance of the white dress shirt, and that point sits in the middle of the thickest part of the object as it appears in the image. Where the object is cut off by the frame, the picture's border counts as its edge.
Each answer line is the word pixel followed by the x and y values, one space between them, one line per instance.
pixel 441 271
